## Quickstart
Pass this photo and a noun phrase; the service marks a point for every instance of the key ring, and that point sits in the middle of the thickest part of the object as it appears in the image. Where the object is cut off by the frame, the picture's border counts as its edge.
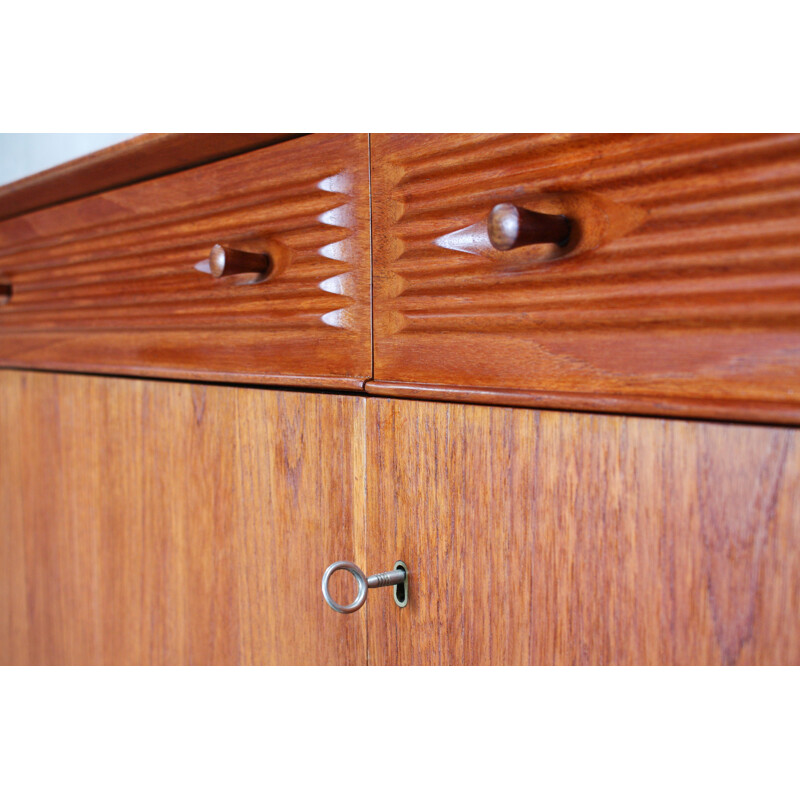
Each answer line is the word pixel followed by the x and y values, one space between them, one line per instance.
pixel 360 577
pixel 398 577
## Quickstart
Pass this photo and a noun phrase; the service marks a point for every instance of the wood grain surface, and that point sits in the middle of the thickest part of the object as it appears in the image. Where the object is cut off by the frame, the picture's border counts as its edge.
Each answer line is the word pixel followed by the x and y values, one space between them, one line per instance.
pixel 154 523
pixel 679 290
pixel 108 284
pixel 561 538
pixel 137 159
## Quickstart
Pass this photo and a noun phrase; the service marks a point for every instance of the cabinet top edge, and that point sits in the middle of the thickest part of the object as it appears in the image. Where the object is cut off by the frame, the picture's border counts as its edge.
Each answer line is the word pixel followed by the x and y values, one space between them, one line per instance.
pixel 140 158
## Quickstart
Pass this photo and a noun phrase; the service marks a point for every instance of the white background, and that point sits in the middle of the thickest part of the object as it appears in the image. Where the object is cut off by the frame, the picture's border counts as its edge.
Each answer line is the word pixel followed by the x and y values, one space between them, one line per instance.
pixel 24 154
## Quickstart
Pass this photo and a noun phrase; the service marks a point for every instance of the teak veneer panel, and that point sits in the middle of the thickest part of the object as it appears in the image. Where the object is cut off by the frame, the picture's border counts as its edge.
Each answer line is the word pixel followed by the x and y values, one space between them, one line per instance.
pixel 148 522
pixel 678 294
pixel 107 283
pixel 566 538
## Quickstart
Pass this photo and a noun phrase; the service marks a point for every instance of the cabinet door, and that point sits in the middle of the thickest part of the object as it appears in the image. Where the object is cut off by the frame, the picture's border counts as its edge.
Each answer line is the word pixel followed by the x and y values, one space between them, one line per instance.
pixel 152 522
pixel 561 538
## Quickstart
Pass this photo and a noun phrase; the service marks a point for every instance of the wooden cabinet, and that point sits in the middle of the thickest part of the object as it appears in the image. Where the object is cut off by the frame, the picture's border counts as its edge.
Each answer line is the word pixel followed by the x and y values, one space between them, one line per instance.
pixel 159 521
pixel 147 522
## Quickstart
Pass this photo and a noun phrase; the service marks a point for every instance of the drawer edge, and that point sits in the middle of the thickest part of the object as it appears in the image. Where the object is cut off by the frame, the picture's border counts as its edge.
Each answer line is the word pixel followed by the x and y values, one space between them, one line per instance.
pixel 201 376
pixel 640 405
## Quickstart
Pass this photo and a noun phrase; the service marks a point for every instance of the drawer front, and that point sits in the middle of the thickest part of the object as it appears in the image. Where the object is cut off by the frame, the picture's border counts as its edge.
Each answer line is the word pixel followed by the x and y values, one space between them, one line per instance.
pixel 108 283
pixel 677 291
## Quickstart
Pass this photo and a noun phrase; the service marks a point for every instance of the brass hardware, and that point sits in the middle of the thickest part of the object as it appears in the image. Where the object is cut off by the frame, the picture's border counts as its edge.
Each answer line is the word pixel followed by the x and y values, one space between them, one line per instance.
pixel 397 576
pixel 401 589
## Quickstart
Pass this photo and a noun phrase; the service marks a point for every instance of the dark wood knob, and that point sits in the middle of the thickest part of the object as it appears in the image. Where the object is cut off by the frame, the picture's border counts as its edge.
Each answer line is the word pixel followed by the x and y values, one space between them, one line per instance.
pixel 5 293
pixel 511 226
pixel 224 261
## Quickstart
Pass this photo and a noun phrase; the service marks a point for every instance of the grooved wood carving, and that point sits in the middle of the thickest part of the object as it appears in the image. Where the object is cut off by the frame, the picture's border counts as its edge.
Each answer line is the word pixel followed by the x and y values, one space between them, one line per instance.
pixel 147 522
pixel 560 538
pixel 680 284
pixel 107 283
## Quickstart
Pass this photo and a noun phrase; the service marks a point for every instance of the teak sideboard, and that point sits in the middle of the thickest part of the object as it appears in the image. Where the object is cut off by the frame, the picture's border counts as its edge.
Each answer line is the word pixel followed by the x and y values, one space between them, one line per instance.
pixel 553 379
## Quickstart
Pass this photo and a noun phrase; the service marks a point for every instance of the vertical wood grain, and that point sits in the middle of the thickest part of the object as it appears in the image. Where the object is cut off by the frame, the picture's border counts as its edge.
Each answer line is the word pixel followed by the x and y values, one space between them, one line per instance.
pixel 556 538
pixel 145 522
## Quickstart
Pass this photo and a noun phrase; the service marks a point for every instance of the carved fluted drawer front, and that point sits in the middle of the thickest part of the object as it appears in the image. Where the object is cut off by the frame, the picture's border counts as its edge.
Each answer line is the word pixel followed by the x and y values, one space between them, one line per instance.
pixel 254 268
pixel 641 273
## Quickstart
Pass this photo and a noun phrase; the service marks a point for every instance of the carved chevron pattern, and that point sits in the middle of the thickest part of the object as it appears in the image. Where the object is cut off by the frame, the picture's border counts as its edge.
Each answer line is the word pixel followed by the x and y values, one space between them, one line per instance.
pixel 343 251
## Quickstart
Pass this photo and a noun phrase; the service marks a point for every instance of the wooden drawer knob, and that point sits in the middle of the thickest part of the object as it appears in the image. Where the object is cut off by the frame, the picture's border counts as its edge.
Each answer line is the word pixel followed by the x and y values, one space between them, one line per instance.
pixel 511 226
pixel 224 261
pixel 5 293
